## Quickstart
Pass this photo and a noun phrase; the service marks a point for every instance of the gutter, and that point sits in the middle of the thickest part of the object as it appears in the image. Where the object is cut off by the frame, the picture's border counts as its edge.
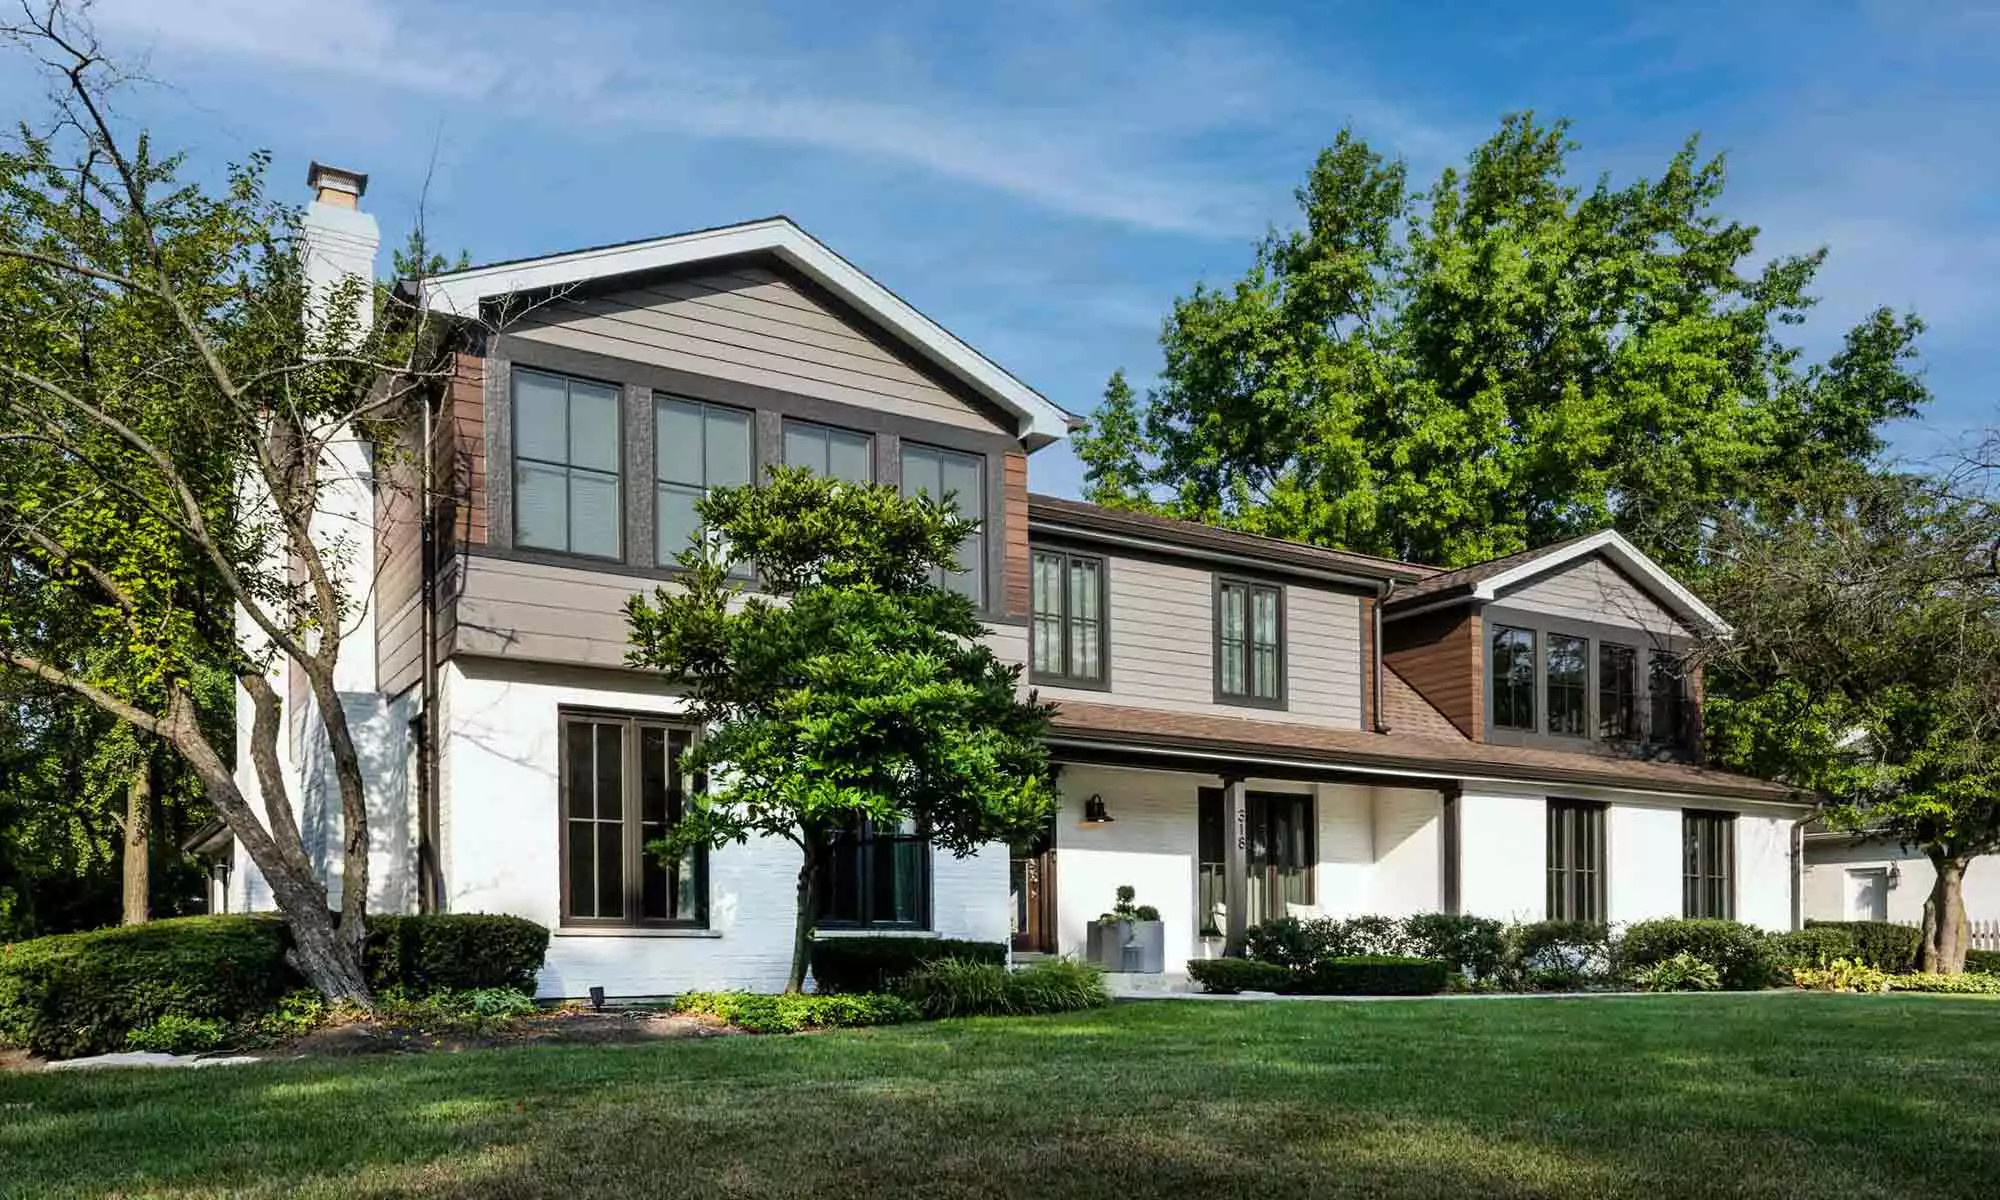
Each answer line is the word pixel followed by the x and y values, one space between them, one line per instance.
pixel 1182 550
pixel 1382 593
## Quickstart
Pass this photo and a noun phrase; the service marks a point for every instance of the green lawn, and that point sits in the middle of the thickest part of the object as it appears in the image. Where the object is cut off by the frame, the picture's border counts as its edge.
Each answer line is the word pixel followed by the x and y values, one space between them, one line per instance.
pixel 1798 1095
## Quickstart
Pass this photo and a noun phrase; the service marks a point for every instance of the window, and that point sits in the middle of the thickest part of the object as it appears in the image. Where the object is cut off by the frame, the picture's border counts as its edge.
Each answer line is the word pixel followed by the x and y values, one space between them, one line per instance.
pixel 1513 668
pixel 877 878
pixel 622 787
pixel 1278 849
pixel 1249 643
pixel 566 465
pixel 1569 685
pixel 1576 861
pixel 1667 687
pixel 1708 872
pixel 929 471
pixel 696 447
pixel 1069 617
pixel 833 453
pixel 1617 692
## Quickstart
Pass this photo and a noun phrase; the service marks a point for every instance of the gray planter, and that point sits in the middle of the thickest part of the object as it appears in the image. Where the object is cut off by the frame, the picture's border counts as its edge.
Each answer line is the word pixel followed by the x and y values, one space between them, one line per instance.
pixel 1135 946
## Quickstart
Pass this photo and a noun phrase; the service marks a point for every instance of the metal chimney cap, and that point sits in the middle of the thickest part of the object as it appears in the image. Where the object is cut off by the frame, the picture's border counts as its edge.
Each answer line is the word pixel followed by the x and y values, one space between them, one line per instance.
pixel 323 179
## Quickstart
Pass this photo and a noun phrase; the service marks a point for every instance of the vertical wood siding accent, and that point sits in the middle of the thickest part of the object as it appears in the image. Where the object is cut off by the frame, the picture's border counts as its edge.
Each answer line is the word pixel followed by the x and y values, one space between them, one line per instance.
pixel 1015 599
pixel 461 445
pixel 398 558
pixel 1369 717
pixel 756 326
pixel 1439 654
pixel 1162 637
pixel 1594 590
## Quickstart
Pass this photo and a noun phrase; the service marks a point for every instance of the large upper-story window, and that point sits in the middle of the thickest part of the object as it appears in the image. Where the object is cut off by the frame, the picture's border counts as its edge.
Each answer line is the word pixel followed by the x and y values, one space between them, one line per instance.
pixel 931 471
pixel 1568 673
pixel 1512 662
pixel 1068 630
pixel 830 451
pixel 566 481
pixel 1617 692
pixel 1576 860
pixel 696 446
pixel 1249 643
pixel 622 788
pixel 1708 871
pixel 1667 698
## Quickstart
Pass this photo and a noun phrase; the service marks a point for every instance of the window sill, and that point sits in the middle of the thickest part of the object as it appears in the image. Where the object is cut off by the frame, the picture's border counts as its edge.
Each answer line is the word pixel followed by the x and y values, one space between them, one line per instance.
pixel 832 934
pixel 632 931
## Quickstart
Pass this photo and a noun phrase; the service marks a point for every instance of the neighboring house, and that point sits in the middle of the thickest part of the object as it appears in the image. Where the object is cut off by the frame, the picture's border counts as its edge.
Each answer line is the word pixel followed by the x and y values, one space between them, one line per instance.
pixel 1849 878
pixel 1247 727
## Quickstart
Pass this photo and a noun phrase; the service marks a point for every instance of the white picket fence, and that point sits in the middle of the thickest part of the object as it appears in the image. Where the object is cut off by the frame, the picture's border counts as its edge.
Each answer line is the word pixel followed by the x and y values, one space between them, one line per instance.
pixel 1985 934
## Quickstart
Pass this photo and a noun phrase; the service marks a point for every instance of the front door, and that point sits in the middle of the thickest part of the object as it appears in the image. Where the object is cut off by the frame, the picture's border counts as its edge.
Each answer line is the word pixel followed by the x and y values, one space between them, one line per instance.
pixel 1868 895
pixel 1032 885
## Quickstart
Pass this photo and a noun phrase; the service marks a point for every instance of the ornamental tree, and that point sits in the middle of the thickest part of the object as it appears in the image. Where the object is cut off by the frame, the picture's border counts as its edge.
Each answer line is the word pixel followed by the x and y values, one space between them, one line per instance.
pixel 1866 664
pixel 848 688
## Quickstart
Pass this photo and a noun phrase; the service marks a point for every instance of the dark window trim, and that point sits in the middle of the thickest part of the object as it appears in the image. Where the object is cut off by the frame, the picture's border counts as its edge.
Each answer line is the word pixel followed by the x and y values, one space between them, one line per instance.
pixel 1246 700
pixel 1631 733
pixel 513 461
pixel 1535 672
pixel 653 398
pixel 1564 890
pixel 1209 804
pixel 1064 678
pixel 1548 710
pixel 1543 624
pixel 786 421
pixel 1679 722
pixel 1693 853
pixel 927 883
pixel 629 805
pixel 991 563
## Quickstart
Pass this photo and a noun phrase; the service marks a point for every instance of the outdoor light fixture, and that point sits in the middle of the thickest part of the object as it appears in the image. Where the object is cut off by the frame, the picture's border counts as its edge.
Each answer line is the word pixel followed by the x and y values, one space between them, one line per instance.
pixel 1093 811
pixel 1895 874
pixel 597 999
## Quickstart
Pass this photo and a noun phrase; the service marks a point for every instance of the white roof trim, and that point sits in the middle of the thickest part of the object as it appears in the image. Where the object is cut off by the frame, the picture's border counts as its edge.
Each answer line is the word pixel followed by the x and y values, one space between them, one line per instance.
pixel 460 293
pixel 1611 544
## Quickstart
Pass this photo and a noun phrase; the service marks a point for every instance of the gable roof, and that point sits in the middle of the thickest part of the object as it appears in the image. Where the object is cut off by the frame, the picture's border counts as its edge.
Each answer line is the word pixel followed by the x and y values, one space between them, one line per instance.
pixel 461 293
pixel 1486 580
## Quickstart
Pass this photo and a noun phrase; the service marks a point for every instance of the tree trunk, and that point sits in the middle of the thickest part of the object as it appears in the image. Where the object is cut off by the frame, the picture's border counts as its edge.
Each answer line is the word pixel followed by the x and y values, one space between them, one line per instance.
pixel 353 801
pixel 138 875
pixel 802 926
pixel 1945 931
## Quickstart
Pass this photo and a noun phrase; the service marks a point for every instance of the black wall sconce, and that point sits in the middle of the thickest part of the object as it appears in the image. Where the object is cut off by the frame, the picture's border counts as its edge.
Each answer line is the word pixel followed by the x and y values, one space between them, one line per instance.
pixel 1094 813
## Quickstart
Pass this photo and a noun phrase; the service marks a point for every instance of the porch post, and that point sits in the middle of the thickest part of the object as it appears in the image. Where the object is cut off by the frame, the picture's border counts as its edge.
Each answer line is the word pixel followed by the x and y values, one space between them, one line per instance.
pixel 1235 863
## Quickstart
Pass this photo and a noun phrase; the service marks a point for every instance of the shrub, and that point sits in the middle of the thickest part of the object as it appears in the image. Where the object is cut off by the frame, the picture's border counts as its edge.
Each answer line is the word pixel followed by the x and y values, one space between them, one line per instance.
pixel 1372 935
pixel 950 987
pixel 1880 944
pixel 1813 946
pixel 1986 962
pixel 1558 955
pixel 873 964
pixel 1228 976
pixel 758 1012
pixel 469 1010
pixel 1972 983
pixel 1373 975
pixel 1681 973
pixel 1292 942
pixel 1841 975
pixel 175 1034
pixel 83 993
pixel 1475 946
pixel 454 952
pixel 297 1014
pixel 1739 954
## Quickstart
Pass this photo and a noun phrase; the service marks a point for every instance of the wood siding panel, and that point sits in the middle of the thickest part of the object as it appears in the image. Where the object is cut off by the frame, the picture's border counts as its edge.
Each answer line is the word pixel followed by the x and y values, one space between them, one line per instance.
pixel 1440 655
pixel 545 613
pixel 398 556
pixel 757 327
pixel 1015 569
pixel 1162 635
pixel 1594 590
pixel 461 444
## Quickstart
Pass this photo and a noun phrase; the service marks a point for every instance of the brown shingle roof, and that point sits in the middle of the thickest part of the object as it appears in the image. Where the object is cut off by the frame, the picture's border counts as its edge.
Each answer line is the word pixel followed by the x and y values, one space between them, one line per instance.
pixel 1405 711
pixel 1096 517
pixel 1464 579
pixel 1081 722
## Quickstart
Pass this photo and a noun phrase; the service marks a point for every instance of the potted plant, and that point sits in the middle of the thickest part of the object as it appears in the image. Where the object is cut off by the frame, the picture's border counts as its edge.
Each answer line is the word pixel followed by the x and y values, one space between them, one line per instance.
pixel 1131 937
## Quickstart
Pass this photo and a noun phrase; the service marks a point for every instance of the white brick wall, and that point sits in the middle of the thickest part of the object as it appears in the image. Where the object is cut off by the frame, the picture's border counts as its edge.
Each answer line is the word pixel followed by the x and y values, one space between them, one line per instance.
pixel 1503 855
pixel 1642 850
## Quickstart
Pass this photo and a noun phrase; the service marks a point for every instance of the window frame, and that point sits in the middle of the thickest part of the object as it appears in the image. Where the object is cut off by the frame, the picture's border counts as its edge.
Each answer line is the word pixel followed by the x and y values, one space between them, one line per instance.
pixel 982 591
pixel 516 458
pixel 1582 687
pixel 1680 732
pixel 658 397
pixel 824 429
pixel 1067 676
pixel 1493 680
pixel 1248 698
pixel 1696 854
pixel 1569 898
pixel 868 839
pixel 1631 698
pixel 631 821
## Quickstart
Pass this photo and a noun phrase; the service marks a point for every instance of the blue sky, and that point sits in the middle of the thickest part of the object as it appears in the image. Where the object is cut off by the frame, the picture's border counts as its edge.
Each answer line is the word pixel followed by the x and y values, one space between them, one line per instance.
pixel 1044 178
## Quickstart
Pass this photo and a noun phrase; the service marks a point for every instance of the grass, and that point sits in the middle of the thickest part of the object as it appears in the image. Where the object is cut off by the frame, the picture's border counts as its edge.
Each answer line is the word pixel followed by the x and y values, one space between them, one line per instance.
pixel 1797 1095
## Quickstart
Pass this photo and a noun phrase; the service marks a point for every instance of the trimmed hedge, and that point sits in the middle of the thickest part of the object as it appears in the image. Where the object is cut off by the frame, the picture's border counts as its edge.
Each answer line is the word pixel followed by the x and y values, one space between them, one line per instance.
pixel 82 993
pixel 1740 954
pixel 757 1012
pixel 1558 955
pixel 1880 944
pixel 1813 946
pixel 1228 976
pixel 870 964
pixel 1373 975
pixel 456 952
pixel 1475 946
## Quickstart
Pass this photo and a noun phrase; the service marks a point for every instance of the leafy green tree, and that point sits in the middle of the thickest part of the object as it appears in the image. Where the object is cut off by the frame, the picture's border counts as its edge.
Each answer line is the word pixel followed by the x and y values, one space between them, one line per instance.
pixel 853 688
pixel 179 405
pixel 1496 362
pixel 1866 664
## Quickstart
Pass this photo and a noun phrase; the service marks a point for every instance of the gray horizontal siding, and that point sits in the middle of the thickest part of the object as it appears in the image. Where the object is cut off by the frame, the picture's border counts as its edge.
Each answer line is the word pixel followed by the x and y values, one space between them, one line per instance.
pixel 399 647
pixel 1593 590
pixel 750 326
pixel 543 613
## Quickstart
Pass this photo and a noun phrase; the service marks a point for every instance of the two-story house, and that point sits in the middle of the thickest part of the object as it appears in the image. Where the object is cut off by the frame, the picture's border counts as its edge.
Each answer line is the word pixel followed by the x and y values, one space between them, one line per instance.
pixel 1247 726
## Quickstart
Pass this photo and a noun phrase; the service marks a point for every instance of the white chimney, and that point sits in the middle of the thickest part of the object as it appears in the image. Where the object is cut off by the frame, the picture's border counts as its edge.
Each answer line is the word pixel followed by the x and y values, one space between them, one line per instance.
pixel 340 239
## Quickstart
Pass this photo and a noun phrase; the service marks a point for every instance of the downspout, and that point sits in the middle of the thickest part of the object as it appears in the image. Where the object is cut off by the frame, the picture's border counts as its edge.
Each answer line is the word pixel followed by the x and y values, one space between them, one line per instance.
pixel 1799 870
pixel 430 882
pixel 1382 592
